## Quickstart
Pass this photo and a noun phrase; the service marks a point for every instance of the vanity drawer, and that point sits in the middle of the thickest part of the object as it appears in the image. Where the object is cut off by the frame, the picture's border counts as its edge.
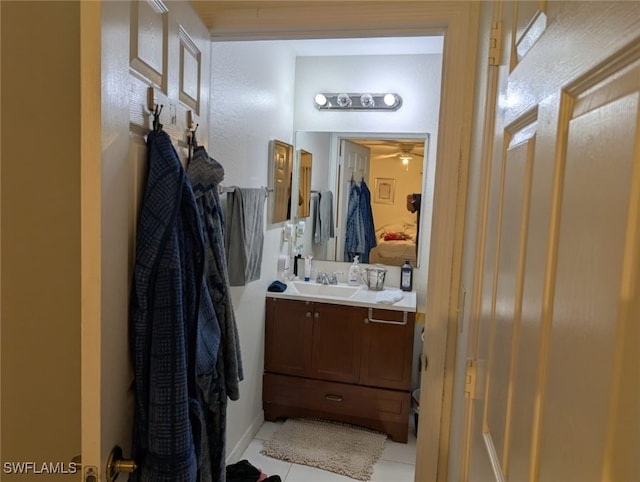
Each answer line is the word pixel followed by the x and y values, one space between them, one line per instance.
pixel 342 400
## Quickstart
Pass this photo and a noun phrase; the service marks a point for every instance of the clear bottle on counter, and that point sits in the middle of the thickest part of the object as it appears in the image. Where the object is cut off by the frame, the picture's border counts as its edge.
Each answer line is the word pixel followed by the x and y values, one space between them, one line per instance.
pixel 406 276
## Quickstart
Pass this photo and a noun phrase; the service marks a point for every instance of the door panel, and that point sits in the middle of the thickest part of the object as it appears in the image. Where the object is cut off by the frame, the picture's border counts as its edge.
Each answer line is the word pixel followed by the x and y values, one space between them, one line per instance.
pixel 152 52
pixel 517 178
pixel 561 260
pixel 288 334
pixel 387 350
pixel 354 164
pixel 337 339
pixel 601 149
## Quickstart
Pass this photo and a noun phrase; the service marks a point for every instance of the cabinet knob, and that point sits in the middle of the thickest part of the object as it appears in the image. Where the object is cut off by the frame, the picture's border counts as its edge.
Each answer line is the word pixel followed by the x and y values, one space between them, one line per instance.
pixel 316 315
pixel 308 314
pixel 333 398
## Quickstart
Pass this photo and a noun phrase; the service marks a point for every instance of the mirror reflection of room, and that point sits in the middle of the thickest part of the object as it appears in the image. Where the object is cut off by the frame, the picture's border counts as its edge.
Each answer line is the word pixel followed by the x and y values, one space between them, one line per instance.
pixel 390 171
pixel 395 175
pixel 405 138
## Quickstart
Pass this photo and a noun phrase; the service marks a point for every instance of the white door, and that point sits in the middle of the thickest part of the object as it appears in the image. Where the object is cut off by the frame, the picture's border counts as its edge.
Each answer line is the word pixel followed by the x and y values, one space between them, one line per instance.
pixel 152 52
pixel 558 330
pixel 354 164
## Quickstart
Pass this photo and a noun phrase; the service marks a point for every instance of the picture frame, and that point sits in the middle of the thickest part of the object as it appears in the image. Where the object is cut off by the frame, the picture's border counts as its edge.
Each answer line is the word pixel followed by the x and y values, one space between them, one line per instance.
pixel 384 190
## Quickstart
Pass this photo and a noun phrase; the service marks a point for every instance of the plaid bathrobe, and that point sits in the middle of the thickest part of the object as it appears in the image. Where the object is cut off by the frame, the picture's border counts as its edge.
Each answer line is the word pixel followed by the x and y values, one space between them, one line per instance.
pixel 206 174
pixel 174 334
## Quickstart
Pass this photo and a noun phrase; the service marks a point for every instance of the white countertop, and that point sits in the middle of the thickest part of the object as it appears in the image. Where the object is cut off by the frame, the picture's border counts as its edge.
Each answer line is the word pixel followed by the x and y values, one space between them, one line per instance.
pixel 362 297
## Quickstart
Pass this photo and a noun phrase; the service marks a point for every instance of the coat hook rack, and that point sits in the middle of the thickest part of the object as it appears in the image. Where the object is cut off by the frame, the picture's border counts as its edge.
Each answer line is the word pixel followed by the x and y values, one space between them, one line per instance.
pixel 191 138
pixel 157 109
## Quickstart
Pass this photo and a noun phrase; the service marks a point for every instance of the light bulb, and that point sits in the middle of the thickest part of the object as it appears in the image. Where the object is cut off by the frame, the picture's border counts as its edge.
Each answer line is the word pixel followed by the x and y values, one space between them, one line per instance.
pixel 320 99
pixel 366 100
pixel 343 100
pixel 390 100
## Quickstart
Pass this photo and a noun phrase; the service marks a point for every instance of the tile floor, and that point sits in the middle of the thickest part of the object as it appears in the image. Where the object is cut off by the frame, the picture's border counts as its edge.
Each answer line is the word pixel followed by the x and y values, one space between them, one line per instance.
pixel 396 464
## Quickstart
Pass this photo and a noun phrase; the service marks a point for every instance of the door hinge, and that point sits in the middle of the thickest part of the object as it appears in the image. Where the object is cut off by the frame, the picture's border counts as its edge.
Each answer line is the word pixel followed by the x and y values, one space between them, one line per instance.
pixel 470 379
pixel 495 43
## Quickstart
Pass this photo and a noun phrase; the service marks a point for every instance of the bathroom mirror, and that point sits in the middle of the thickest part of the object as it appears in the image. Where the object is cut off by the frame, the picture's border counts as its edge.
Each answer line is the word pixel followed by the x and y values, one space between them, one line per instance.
pixel 280 180
pixel 305 161
pixel 392 167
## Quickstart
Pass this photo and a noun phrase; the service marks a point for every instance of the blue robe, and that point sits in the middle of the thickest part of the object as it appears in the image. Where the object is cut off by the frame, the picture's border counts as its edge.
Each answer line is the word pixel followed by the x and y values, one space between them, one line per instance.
pixel 205 174
pixel 174 334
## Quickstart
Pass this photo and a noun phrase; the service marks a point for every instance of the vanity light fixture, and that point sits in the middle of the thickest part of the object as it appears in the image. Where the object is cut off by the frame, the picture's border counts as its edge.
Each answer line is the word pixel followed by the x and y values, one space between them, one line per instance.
pixel 357 101
pixel 343 100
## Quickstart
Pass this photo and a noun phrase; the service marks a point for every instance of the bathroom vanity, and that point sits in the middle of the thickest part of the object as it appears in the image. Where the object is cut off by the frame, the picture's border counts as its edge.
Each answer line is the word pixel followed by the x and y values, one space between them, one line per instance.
pixel 337 354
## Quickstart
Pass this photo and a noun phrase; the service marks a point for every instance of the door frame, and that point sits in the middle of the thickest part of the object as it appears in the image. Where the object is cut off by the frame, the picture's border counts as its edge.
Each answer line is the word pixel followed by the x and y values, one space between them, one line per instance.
pixel 458 22
pixel 90 236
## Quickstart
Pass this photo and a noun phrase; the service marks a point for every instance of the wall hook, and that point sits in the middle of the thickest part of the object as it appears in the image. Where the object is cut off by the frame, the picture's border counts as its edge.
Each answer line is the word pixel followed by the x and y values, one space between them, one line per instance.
pixel 156 117
pixel 193 141
pixel 191 138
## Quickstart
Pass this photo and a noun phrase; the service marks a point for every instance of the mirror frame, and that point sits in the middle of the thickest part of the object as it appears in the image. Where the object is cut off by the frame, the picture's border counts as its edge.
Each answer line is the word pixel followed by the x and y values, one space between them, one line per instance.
pixel 280 187
pixel 303 175
pixel 428 175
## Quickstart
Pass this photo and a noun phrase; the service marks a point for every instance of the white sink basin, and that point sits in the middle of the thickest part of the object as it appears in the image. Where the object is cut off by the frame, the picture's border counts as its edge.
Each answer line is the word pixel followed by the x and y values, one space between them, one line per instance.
pixel 338 291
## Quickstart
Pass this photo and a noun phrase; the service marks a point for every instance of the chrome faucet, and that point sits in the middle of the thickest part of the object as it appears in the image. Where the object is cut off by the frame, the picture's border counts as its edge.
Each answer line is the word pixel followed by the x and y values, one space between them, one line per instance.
pixel 327 279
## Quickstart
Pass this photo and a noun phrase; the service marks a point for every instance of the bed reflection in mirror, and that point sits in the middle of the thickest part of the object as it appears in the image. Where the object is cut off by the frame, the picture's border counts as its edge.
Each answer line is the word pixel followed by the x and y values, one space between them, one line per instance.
pixel 398 241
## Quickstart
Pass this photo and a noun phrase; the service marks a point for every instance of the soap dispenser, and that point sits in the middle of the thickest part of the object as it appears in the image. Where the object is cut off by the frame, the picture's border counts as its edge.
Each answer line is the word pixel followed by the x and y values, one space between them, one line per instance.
pixel 354 272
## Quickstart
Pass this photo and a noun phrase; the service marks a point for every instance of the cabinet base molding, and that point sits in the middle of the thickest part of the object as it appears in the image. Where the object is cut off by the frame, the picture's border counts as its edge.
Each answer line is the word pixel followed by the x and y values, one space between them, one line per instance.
pixel 379 409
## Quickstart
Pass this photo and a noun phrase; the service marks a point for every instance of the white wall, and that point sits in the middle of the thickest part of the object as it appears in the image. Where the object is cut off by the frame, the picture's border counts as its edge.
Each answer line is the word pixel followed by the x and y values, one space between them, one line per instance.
pixel 259 92
pixel 406 75
pixel 403 74
pixel 407 180
pixel 251 103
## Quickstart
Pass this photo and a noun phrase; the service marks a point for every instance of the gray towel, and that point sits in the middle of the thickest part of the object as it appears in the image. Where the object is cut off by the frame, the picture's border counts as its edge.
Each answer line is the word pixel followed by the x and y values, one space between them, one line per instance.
pixel 315 213
pixel 323 218
pixel 244 235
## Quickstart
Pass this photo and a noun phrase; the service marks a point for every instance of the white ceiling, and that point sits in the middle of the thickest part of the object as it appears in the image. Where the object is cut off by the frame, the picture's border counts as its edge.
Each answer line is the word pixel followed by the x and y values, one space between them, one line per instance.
pixel 366 46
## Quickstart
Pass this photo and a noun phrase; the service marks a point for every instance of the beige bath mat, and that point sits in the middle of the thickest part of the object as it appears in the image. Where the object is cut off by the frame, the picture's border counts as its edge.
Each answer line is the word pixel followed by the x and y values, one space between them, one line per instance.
pixel 337 447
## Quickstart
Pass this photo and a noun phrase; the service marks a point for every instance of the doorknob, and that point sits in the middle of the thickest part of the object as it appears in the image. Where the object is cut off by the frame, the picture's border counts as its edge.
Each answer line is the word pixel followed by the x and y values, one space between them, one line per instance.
pixel 116 463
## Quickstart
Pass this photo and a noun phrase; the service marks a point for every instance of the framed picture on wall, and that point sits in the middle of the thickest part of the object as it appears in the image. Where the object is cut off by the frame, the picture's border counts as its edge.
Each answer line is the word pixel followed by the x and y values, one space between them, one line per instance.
pixel 384 190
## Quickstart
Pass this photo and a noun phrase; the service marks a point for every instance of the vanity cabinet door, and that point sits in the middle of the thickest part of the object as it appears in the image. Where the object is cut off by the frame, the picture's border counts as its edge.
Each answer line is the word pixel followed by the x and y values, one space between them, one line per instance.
pixel 337 342
pixel 288 335
pixel 387 353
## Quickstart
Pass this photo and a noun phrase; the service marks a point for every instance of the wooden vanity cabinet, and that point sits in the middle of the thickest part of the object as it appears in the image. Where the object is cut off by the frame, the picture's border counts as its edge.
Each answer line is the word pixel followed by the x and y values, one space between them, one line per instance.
pixel 288 337
pixel 339 363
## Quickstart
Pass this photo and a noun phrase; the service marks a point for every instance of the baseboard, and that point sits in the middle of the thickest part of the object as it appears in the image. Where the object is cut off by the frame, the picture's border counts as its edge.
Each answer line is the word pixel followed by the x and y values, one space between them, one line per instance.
pixel 234 455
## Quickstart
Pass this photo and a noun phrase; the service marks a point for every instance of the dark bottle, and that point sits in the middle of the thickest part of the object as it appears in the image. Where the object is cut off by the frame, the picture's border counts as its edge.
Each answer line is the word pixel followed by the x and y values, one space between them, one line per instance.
pixel 406 276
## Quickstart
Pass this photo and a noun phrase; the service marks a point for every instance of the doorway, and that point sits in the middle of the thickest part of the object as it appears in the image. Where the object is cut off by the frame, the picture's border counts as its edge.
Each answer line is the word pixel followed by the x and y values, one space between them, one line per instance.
pixel 459 22
pixel 257 50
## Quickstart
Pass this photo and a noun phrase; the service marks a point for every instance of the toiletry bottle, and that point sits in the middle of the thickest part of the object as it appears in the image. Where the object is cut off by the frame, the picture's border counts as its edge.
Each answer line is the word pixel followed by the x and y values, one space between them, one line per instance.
pixel 307 267
pixel 296 258
pixel 406 276
pixel 354 272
